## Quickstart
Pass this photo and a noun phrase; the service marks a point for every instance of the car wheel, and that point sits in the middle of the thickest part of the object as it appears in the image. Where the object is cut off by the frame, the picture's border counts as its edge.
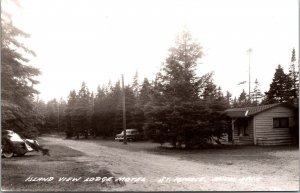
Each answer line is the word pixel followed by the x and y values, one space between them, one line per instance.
pixel 8 154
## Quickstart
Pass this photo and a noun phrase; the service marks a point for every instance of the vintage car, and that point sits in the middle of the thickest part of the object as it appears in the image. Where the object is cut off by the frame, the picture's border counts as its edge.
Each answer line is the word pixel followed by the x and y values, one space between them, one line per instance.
pixel 13 144
pixel 131 135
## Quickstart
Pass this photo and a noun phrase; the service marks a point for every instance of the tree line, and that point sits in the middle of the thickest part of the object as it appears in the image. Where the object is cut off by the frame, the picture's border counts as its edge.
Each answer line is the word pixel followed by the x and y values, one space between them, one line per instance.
pixel 178 106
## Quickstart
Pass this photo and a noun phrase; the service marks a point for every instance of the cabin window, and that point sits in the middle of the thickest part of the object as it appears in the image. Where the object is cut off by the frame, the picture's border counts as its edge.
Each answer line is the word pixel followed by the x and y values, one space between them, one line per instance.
pixel 282 122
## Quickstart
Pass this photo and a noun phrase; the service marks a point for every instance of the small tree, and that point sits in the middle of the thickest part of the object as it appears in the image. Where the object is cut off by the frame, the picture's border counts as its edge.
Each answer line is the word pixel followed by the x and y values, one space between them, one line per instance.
pixel 243 101
pixel 228 98
pixel 257 94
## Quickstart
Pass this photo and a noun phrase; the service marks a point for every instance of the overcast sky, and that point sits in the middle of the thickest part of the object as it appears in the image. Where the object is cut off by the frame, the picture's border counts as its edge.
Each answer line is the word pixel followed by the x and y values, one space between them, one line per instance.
pixel 97 40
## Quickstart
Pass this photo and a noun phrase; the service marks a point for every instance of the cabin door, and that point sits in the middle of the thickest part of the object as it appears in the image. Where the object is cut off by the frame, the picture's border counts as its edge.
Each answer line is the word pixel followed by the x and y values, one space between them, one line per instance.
pixel 242 126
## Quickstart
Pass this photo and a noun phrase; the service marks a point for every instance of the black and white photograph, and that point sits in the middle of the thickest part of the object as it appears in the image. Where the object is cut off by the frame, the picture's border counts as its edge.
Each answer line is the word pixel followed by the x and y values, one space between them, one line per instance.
pixel 149 95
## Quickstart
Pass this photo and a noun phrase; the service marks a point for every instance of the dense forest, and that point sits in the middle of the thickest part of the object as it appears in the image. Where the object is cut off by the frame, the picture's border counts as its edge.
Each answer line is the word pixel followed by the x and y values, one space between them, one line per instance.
pixel 178 106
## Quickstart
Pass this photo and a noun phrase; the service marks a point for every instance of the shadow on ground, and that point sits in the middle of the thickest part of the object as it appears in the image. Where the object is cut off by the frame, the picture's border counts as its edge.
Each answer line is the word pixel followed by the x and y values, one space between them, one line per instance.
pixel 60 164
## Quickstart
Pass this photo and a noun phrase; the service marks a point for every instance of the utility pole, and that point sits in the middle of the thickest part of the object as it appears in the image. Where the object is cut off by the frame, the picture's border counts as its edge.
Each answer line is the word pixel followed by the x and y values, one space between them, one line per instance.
pixel 249 51
pixel 124 111
pixel 58 116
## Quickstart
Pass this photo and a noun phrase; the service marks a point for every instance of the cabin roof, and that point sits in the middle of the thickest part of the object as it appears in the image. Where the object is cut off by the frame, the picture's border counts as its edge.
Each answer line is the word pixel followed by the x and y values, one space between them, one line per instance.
pixel 249 111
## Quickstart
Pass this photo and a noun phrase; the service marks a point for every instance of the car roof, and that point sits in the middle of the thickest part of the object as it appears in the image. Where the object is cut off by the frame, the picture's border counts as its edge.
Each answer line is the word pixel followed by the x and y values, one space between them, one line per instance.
pixel 7 131
pixel 131 129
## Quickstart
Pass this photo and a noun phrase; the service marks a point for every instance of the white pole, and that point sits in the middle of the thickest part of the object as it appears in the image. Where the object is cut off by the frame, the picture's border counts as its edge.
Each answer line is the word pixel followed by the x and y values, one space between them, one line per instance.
pixel 249 52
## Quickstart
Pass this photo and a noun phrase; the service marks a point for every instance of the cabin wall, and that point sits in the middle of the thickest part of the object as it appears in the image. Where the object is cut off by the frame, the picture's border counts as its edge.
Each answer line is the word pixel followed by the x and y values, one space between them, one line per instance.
pixel 266 134
pixel 244 140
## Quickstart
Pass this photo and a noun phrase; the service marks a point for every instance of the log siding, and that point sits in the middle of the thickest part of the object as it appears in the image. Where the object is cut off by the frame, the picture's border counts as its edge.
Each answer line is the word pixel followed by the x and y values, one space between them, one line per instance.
pixel 266 134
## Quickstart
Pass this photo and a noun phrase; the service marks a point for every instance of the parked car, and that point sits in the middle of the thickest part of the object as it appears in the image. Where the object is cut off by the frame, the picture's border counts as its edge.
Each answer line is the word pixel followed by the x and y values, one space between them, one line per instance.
pixel 131 135
pixel 13 144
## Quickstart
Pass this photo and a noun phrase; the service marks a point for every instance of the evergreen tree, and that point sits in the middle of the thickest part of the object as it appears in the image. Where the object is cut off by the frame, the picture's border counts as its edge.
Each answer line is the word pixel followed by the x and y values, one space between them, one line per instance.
pixel 257 95
pixel 70 114
pixel 220 102
pixel 62 121
pixel 98 109
pixel 39 118
pixel 213 97
pixel 52 115
pixel 82 111
pixel 78 112
pixel 107 117
pixel 144 98
pixel 228 98
pixel 135 85
pixel 235 103
pixel 17 80
pixel 294 77
pixel 179 79
pixel 210 92
pixel 145 92
pixel 242 100
pixel 176 114
pixel 280 88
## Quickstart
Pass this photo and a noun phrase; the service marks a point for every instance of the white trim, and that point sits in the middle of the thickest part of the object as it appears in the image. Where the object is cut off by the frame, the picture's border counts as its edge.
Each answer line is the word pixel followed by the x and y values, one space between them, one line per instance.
pixel 232 129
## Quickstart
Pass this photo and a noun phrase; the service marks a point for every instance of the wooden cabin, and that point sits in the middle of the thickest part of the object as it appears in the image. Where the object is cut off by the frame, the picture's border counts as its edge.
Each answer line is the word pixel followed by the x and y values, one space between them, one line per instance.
pixel 262 125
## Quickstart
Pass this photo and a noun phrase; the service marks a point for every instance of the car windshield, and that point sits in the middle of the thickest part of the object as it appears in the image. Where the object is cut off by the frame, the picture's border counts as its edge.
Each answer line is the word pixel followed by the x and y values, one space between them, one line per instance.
pixel 15 137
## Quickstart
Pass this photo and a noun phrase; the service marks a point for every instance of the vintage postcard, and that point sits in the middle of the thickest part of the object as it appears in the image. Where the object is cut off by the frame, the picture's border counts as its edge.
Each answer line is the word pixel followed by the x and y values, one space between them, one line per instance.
pixel 149 95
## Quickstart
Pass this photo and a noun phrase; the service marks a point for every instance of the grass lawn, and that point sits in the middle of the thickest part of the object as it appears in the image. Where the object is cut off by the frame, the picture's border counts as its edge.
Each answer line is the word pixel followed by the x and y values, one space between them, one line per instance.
pixel 60 164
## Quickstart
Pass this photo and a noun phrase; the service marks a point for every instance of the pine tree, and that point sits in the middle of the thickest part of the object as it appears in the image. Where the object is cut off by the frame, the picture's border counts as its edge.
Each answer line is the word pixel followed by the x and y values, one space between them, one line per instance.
pixel 135 85
pixel 294 77
pixel 179 78
pixel 210 92
pixel 70 114
pixel 220 102
pixel 82 110
pixel 242 100
pixel 235 103
pixel 145 92
pixel 17 80
pixel 144 98
pixel 99 105
pixel 62 121
pixel 52 115
pixel 176 114
pixel 257 95
pixel 40 115
pixel 280 88
pixel 228 98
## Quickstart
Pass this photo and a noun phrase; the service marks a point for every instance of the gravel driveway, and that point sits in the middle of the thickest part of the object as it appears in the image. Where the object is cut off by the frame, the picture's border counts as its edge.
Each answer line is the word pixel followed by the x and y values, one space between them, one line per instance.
pixel 278 171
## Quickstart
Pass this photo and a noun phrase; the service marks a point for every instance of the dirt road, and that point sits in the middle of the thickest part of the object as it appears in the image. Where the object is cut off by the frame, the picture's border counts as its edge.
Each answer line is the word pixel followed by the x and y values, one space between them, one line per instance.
pixel 185 175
